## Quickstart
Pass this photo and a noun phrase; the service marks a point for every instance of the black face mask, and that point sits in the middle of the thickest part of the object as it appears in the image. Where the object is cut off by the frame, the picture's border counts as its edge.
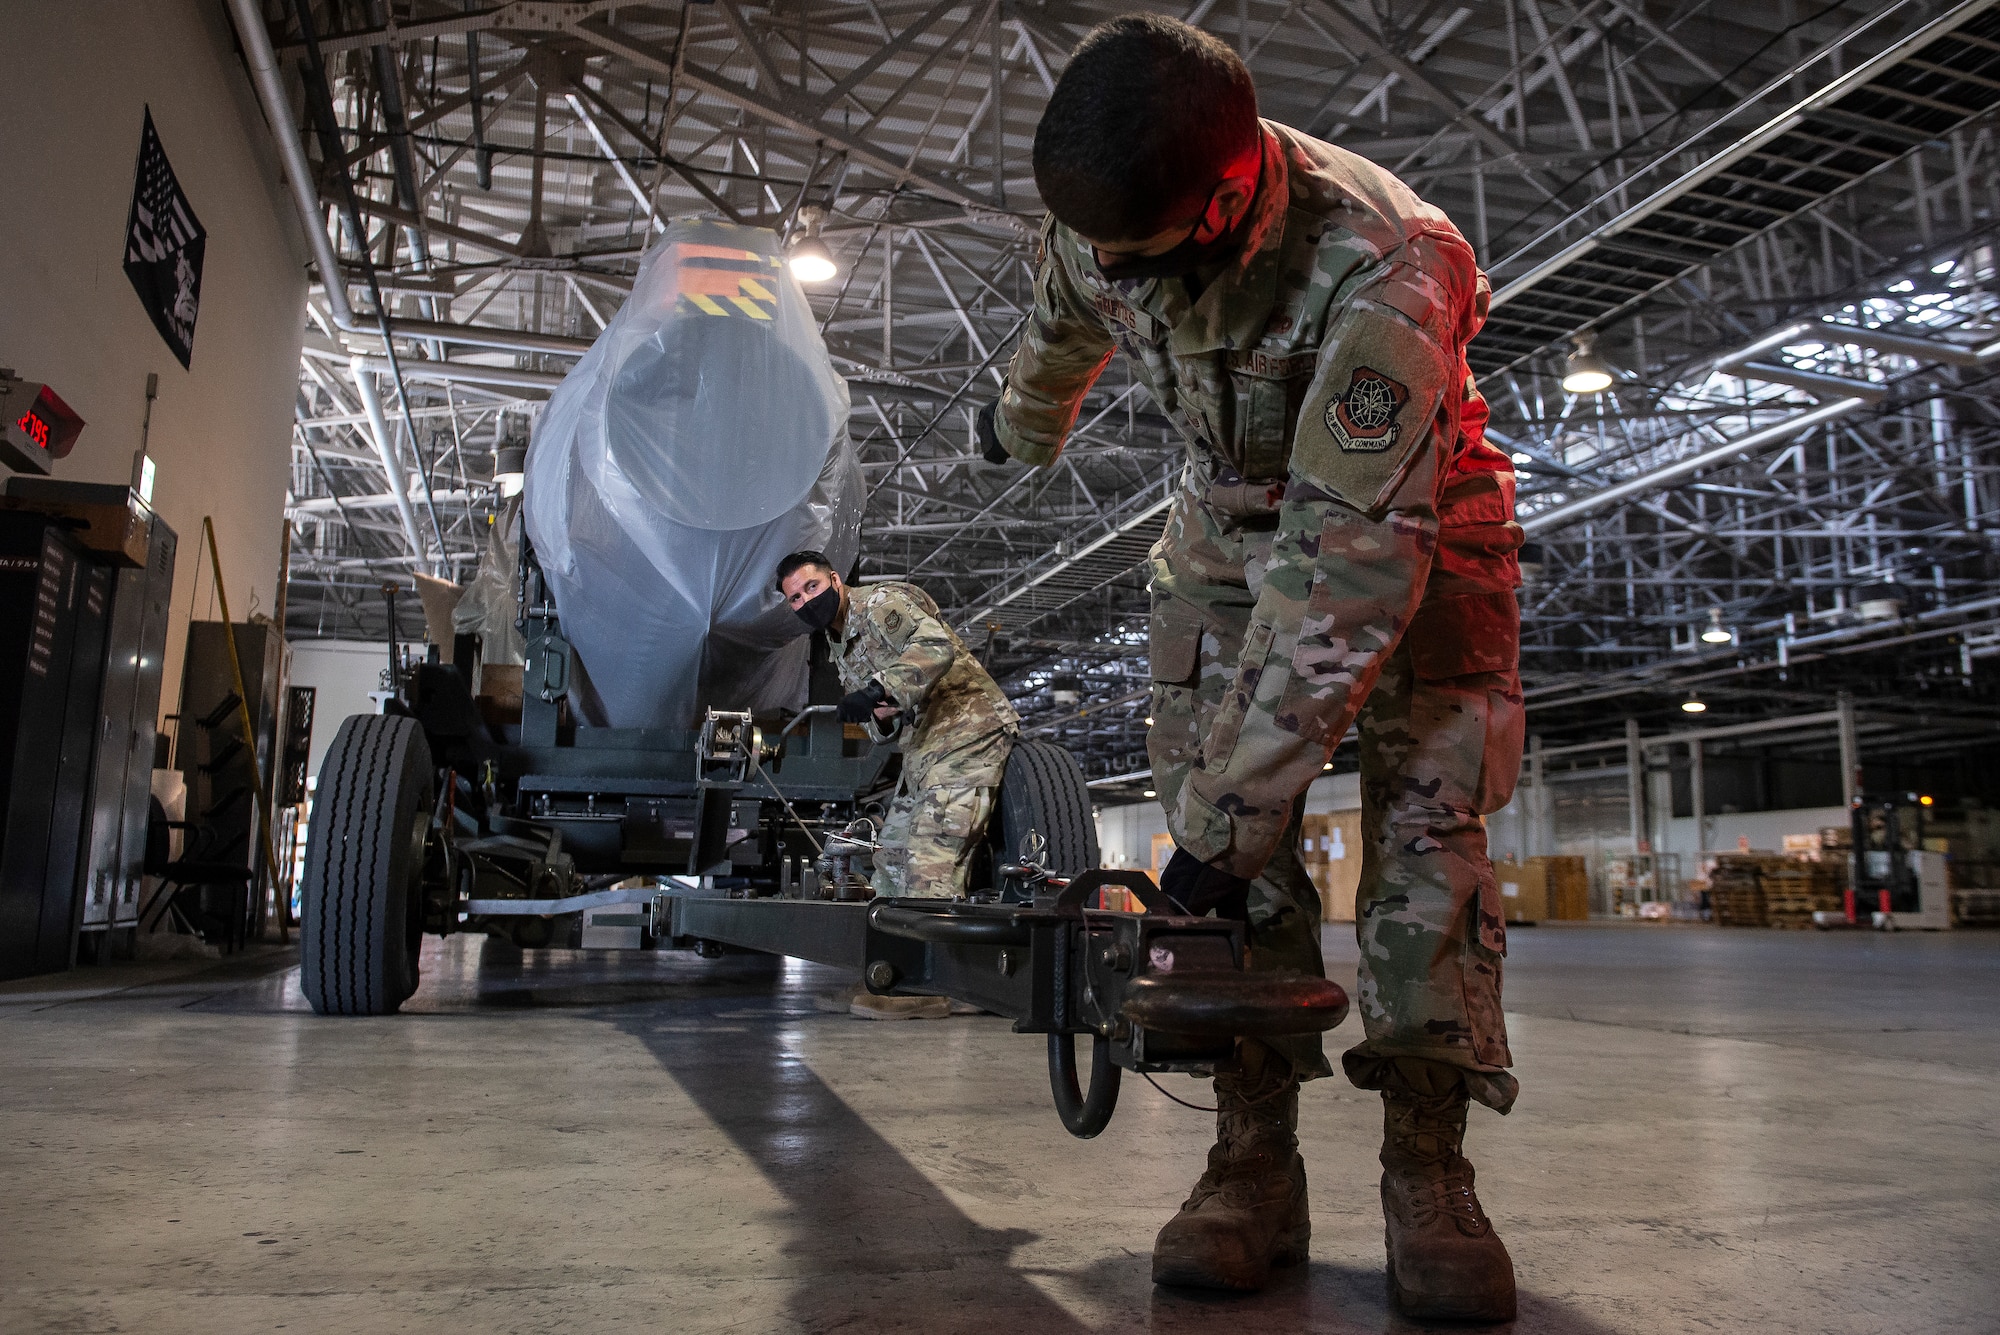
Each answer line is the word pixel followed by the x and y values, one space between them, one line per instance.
pixel 1185 258
pixel 819 611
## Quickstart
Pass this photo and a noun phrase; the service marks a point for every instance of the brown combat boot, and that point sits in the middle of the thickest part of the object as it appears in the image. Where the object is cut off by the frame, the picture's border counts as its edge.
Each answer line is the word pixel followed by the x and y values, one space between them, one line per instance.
pixel 1248 1212
pixel 1445 1260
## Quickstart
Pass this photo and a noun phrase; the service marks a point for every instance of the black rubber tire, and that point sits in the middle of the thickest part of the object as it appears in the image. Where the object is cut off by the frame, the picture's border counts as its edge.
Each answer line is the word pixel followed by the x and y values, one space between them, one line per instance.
pixel 1044 791
pixel 361 903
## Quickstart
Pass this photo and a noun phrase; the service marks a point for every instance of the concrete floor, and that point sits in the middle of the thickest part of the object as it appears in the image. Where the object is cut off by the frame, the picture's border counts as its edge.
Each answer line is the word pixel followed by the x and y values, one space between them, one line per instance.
pixel 1720 1130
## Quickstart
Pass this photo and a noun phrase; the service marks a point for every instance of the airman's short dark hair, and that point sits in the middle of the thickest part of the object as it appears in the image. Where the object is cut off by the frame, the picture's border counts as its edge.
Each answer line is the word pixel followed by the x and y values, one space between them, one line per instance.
pixel 798 561
pixel 1144 121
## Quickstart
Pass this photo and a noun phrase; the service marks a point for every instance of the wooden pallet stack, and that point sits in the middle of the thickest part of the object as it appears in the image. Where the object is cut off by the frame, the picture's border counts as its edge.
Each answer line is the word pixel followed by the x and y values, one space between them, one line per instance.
pixel 1736 891
pixel 1569 887
pixel 1794 891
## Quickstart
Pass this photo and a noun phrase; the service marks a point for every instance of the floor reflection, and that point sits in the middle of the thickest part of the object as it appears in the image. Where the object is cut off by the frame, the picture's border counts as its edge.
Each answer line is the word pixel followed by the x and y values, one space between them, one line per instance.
pixel 875 1244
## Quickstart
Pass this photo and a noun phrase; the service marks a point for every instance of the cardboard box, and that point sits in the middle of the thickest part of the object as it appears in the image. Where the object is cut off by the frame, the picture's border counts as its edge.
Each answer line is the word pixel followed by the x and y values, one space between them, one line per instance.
pixel 499 698
pixel 110 521
pixel 1805 846
pixel 1333 858
pixel 1524 890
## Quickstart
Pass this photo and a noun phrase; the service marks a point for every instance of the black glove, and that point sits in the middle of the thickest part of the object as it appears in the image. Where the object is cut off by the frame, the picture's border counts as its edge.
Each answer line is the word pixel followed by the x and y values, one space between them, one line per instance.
pixel 859 706
pixel 990 448
pixel 1198 887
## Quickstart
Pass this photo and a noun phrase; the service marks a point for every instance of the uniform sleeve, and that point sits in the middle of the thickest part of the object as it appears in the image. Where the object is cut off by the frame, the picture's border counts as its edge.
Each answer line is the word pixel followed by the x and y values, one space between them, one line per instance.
pixel 1356 535
pixel 1061 354
pixel 922 646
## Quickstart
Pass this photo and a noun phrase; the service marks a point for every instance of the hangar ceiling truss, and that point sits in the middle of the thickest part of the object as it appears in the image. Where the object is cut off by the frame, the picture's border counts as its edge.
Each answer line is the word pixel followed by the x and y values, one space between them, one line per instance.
pixel 1681 176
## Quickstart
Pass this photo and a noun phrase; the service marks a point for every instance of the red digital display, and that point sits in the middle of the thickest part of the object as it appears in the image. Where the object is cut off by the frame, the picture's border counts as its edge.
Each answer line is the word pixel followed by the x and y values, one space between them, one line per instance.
pixel 42 431
pixel 34 428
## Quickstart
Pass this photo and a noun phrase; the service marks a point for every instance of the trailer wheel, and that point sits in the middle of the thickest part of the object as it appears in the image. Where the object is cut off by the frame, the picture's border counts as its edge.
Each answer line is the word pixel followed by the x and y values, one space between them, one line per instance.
pixel 361 904
pixel 1044 791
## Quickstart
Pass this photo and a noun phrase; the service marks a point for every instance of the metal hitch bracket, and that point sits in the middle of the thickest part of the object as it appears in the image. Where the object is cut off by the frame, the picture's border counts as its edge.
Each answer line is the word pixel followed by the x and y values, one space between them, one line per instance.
pixel 1154 991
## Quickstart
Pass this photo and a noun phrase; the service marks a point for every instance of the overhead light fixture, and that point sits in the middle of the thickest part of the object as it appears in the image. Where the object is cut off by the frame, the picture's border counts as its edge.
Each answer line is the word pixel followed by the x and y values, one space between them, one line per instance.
pixel 1585 372
pixel 1149 793
pixel 1327 766
pixel 510 469
pixel 1716 632
pixel 810 260
pixel 1149 720
pixel 1880 602
pixel 1693 705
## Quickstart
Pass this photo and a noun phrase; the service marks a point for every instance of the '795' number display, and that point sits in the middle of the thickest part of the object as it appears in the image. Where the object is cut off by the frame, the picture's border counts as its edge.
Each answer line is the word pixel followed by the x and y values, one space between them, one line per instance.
pixel 36 426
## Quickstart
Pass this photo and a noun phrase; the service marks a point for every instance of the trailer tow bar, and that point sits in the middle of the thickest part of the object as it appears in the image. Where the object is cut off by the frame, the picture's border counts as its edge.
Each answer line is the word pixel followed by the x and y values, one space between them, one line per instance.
pixel 1154 991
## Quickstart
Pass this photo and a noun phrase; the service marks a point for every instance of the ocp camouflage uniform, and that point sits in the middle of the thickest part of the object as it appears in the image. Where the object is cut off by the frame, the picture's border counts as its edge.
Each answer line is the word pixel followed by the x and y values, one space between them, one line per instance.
pixel 1341 551
pixel 959 732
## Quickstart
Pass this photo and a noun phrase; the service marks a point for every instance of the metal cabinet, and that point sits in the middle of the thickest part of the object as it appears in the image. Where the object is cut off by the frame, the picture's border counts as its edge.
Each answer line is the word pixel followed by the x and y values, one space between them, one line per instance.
pixel 122 781
pixel 45 588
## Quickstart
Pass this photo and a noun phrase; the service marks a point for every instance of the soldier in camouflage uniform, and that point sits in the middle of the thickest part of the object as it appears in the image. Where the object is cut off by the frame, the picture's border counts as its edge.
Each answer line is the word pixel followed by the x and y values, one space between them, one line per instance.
pixel 1341 552
pixel 903 668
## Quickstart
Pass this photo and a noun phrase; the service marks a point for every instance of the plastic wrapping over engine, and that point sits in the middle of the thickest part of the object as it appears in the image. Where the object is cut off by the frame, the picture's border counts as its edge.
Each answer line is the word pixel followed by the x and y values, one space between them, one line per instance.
pixel 702 437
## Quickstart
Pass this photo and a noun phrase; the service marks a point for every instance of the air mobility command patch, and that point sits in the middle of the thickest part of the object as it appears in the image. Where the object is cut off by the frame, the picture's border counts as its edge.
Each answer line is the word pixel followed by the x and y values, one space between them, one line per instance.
pixel 1363 417
pixel 1372 410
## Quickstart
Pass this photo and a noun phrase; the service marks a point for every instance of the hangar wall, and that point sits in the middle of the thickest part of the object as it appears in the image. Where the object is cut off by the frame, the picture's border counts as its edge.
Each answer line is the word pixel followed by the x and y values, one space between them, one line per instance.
pixel 74 85
pixel 343 672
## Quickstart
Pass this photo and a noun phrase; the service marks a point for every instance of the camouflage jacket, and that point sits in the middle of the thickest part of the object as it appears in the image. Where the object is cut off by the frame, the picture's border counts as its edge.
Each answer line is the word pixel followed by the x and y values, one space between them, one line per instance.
pixel 893 635
pixel 1323 369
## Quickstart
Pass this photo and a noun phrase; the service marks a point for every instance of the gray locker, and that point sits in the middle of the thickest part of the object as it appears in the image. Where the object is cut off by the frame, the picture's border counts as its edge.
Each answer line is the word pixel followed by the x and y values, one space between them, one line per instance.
pixel 122 783
pixel 40 567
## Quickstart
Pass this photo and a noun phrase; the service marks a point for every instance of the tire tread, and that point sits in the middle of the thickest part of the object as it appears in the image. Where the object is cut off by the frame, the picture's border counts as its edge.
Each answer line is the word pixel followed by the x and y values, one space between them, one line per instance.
pixel 1044 790
pixel 352 955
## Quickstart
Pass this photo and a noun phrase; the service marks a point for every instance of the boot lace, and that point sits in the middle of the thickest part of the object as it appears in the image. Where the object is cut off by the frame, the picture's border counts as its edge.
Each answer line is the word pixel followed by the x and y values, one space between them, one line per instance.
pixel 1450 1197
pixel 1431 1172
pixel 1242 1181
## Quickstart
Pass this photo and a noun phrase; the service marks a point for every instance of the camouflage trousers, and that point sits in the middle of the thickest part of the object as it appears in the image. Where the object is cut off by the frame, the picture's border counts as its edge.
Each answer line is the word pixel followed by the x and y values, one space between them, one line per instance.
pixel 938 817
pixel 1439 749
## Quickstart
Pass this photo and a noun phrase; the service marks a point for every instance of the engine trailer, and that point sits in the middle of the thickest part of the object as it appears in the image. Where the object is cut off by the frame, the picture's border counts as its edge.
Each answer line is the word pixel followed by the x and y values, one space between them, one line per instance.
pixel 746 834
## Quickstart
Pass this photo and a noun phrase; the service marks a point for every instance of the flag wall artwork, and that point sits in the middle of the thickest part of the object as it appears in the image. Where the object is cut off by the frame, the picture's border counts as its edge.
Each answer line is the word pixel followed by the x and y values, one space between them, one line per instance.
pixel 164 244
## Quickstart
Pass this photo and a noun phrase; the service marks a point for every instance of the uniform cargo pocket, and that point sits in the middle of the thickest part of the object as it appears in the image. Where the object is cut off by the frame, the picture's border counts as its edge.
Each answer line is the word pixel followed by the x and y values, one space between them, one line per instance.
pixel 1174 643
pixel 1473 632
pixel 947 813
pixel 1265 417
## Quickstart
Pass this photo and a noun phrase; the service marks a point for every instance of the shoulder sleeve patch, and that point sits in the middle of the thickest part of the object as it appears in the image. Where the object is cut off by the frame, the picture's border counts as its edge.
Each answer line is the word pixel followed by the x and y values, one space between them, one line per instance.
pixel 1371 410
pixel 893 614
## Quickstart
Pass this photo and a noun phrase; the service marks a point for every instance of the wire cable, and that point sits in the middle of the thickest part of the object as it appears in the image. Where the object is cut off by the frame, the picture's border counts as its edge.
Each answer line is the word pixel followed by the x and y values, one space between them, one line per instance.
pixel 1202 1107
